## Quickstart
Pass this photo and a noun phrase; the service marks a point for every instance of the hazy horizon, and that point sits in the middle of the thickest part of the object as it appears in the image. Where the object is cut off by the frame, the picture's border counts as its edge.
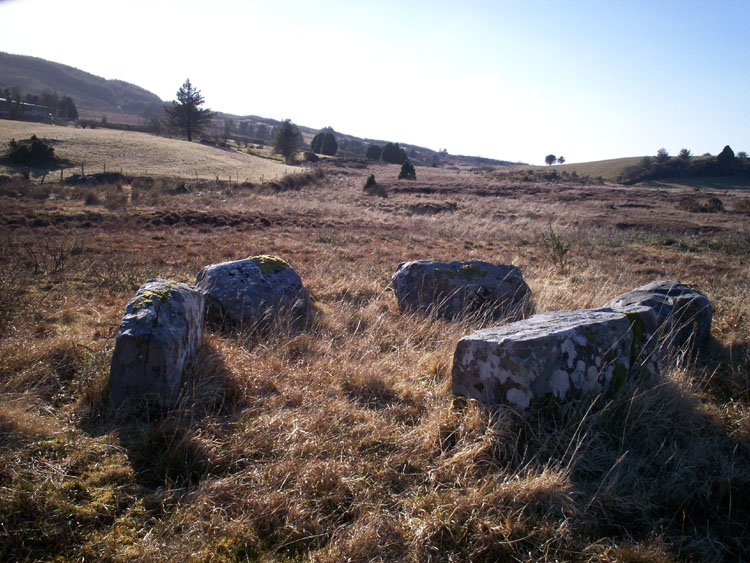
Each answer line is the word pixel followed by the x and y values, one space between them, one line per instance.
pixel 492 79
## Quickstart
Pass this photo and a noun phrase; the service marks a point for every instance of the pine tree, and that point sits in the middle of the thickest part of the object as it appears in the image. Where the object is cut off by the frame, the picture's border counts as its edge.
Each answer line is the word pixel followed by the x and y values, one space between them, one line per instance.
pixel 185 114
pixel 286 140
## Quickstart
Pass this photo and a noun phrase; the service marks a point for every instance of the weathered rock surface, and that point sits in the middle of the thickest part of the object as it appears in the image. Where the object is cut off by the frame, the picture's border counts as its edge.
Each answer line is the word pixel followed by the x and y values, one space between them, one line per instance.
pixel 451 289
pixel 252 291
pixel 159 335
pixel 550 354
pixel 677 314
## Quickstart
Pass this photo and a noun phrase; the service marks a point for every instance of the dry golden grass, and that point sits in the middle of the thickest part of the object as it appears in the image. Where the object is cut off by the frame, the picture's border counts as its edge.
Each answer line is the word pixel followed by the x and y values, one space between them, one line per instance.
pixel 143 154
pixel 342 441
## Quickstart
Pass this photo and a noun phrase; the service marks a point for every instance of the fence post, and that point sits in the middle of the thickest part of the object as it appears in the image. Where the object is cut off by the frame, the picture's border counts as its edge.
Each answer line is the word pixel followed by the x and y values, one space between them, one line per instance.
pixel 61 174
pixel 83 175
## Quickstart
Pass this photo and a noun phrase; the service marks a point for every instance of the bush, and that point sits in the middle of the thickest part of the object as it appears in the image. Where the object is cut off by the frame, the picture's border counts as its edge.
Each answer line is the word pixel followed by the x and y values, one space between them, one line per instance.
pixel 371 187
pixel 393 153
pixel 556 250
pixel 692 205
pixel 324 143
pixel 373 152
pixel 32 151
pixel 743 205
pixel 311 157
pixel 407 171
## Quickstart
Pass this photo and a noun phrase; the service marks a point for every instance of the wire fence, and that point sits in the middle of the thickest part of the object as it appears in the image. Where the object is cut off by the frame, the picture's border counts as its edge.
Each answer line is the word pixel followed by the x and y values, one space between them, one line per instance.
pixel 81 171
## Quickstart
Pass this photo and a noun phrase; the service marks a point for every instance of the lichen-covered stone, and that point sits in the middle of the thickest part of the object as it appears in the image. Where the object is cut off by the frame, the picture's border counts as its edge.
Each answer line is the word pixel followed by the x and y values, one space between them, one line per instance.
pixel 551 354
pixel 159 335
pixel 252 291
pixel 452 289
pixel 677 314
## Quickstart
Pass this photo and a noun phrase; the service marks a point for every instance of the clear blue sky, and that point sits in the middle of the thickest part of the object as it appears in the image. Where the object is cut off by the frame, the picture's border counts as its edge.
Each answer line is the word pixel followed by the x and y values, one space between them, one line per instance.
pixel 513 80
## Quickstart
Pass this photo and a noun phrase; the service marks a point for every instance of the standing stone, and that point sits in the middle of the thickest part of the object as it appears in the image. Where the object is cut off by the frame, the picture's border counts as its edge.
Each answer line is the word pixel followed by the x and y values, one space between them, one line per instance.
pixel 551 354
pixel 252 291
pixel 452 289
pixel 678 314
pixel 159 335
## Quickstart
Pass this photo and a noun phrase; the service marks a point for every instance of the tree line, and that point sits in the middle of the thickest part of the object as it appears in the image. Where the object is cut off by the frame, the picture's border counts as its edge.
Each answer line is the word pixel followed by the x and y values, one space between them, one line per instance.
pixel 60 107
pixel 186 114
pixel 685 165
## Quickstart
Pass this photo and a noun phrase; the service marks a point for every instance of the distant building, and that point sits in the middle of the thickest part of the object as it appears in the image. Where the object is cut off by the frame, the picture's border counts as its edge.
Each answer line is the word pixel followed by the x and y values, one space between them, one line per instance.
pixel 23 111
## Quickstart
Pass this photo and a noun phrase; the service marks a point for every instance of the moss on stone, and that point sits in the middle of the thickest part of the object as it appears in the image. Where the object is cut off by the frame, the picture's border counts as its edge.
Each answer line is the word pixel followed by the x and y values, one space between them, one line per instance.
pixel 467 272
pixel 589 335
pixel 639 337
pixel 470 272
pixel 152 296
pixel 270 264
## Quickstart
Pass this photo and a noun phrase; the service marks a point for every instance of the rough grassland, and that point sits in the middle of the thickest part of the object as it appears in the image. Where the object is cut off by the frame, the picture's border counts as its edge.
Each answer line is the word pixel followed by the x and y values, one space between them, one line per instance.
pixel 143 154
pixel 342 441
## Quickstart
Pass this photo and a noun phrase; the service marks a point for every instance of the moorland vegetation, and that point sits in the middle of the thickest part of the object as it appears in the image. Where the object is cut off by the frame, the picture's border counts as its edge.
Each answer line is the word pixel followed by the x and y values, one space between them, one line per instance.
pixel 342 440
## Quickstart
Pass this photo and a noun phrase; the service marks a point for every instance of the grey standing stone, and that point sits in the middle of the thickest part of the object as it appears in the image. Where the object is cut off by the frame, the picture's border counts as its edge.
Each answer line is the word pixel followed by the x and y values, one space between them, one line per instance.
pixel 679 315
pixel 452 289
pixel 551 354
pixel 252 291
pixel 159 335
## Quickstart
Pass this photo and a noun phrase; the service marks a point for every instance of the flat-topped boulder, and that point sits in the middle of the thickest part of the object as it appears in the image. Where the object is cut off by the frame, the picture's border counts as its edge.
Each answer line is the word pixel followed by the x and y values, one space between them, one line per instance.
pixel 160 333
pixel 453 289
pixel 551 354
pixel 677 313
pixel 252 291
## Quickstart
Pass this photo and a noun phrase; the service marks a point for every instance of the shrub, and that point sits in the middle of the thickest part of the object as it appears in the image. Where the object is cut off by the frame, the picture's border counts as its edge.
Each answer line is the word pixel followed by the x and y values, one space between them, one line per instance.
pixel 374 152
pixel 324 143
pixel 662 156
pixel 407 171
pixel 32 151
pixel 393 153
pixel 692 205
pixel 743 205
pixel 726 157
pixel 311 157
pixel 556 250
pixel 371 187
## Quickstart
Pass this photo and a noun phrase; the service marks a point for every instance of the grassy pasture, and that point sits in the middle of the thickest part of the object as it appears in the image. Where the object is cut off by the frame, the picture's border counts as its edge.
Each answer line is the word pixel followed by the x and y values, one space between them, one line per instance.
pixel 343 442
pixel 608 169
pixel 143 154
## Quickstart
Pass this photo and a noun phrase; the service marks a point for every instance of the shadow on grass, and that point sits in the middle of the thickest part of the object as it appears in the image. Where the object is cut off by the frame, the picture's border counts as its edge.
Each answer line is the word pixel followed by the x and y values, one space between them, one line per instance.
pixel 650 461
pixel 172 448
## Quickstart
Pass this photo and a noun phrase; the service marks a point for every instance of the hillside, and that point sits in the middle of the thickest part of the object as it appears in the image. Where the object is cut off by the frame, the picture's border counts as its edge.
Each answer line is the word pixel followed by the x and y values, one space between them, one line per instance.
pixel 139 153
pixel 124 103
pixel 94 96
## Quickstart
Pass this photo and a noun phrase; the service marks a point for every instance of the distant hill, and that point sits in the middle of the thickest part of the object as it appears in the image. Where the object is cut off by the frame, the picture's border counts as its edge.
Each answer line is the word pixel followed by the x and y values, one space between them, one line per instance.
pixel 124 103
pixel 94 96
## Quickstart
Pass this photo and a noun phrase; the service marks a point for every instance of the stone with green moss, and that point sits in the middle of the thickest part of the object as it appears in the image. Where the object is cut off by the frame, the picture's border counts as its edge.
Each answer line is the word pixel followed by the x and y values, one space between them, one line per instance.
pixel 260 290
pixel 159 336
pixel 269 264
